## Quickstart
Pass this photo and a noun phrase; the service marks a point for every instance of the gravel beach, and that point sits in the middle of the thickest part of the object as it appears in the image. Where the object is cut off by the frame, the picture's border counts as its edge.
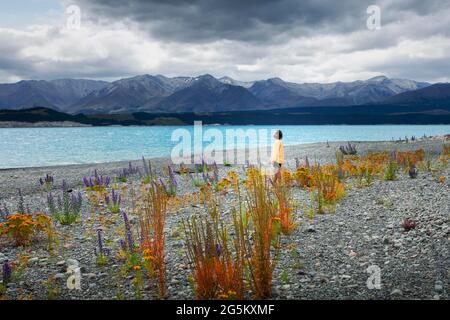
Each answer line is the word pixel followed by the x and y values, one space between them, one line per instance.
pixel 330 256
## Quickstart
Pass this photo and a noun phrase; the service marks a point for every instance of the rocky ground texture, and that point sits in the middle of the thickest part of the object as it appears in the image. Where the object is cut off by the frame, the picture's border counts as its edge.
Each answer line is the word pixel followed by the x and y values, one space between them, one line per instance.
pixel 338 255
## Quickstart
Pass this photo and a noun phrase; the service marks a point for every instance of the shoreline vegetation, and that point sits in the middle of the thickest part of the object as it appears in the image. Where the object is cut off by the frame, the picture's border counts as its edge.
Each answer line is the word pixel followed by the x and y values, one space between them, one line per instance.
pixel 151 230
pixel 350 115
pixel 41 124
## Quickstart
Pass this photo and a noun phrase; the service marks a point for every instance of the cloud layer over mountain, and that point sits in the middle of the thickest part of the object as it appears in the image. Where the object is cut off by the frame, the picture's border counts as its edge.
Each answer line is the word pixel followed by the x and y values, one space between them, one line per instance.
pixel 300 41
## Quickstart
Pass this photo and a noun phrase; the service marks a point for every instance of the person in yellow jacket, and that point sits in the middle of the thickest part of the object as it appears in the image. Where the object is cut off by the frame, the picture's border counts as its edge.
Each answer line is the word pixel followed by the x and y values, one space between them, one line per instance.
pixel 277 157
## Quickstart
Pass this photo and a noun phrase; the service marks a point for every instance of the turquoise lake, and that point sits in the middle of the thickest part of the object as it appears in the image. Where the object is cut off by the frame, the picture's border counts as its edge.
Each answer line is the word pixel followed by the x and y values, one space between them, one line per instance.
pixel 32 147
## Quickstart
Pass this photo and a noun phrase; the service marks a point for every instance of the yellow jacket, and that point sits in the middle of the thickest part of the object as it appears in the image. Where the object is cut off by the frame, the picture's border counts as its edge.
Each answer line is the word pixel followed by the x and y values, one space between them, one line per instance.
pixel 277 152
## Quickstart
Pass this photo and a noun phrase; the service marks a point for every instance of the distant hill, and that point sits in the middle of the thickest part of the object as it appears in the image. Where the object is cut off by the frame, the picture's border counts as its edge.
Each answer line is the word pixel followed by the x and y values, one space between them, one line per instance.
pixel 287 94
pixel 56 94
pixel 366 114
pixel 39 114
pixel 436 95
pixel 159 94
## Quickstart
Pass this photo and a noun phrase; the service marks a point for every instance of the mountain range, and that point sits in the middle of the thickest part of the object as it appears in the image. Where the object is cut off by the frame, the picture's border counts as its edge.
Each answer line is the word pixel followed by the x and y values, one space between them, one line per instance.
pixel 205 93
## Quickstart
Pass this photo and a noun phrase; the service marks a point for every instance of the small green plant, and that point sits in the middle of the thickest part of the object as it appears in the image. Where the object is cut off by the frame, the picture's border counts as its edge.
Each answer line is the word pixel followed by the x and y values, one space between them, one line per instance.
pixel 368 177
pixel 101 260
pixel 120 295
pixel 67 208
pixel 113 201
pixel 46 182
pixel 202 167
pixel 133 267
pixel 310 212
pixel 101 252
pixel 171 186
pixel 197 181
pixel 388 204
pixel 284 276
pixel 148 172
pixel 318 196
pixel 390 173
pixel 295 259
pixel 53 291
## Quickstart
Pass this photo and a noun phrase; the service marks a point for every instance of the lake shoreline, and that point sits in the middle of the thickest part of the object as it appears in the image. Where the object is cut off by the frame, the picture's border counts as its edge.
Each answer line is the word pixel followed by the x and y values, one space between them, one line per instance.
pixel 26 178
pixel 37 147
pixel 74 124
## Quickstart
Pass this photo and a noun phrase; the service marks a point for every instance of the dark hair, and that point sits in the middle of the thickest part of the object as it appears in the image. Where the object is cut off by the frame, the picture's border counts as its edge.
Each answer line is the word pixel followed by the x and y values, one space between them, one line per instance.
pixel 280 134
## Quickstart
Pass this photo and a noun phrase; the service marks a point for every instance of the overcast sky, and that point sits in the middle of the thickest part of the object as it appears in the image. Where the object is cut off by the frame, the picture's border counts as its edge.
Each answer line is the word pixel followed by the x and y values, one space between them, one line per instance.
pixel 300 41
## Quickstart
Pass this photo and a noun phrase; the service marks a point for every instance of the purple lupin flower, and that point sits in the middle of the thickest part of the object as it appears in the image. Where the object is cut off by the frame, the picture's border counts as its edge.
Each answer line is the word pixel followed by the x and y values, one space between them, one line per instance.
pixel 128 232
pixel 216 172
pixel 123 245
pixel 64 185
pixel 87 182
pixel 107 200
pixel 218 250
pixel 48 179
pixel 7 272
pixel 76 199
pixel 146 167
pixel 132 169
pixel 115 197
pixel 100 241
pixel 96 180
pixel 205 177
pixel 162 184
pixel 173 180
pixel 394 155
pixel 297 162
pixel 203 163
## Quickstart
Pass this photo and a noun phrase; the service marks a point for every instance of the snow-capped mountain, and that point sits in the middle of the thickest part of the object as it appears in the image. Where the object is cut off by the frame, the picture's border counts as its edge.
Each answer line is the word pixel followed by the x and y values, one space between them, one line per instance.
pixel 203 93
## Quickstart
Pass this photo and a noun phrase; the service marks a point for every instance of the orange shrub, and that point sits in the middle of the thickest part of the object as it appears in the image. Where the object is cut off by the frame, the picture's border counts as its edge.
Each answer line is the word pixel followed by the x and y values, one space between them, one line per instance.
pixel 446 150
pixel 262 211
pixel 287 223
pixel 20 227
pixel 303 177
pixel 152 222
pixel 23 227
pixel 285 207
pixel 234 179
pixel 218 267
pixel 407 159
pixel 287 177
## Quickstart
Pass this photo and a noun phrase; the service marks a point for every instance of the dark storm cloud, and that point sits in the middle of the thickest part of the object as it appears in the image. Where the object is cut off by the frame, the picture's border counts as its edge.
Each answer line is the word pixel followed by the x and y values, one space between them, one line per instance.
pixel 249 20
pixel 302 41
